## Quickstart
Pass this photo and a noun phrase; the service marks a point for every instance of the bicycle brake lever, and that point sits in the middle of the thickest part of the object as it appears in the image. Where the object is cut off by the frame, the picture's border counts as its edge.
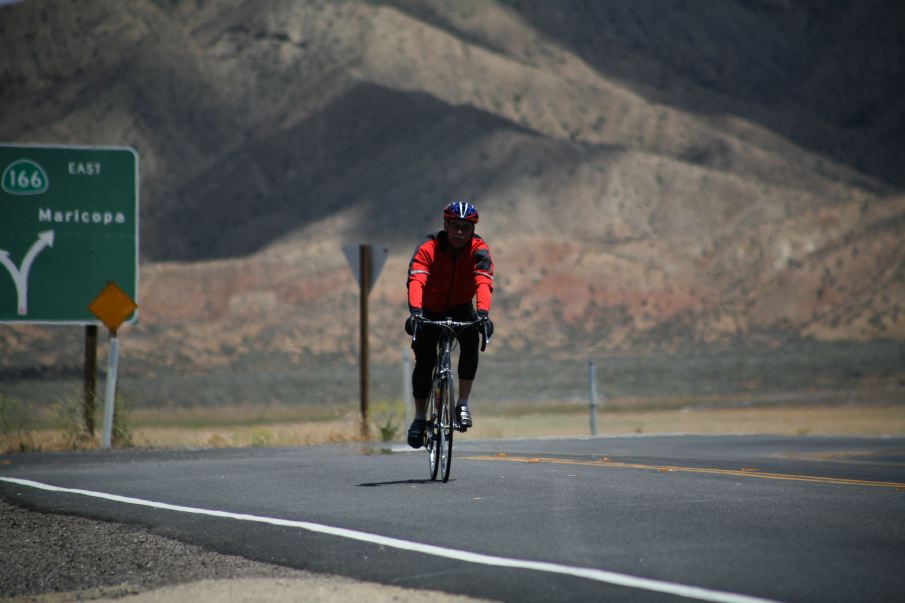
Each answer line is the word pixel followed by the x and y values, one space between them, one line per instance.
pixel 415 332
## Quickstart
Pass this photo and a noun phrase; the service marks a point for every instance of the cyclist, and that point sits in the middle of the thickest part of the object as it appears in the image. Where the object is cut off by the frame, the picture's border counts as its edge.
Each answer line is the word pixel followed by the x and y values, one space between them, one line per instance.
pixel 447 271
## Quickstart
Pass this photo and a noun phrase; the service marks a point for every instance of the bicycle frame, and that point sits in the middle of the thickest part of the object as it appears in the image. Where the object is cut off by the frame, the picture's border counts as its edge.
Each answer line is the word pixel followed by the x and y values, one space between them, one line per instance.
pixel 443 368
pixel 442 420
pixel 450 329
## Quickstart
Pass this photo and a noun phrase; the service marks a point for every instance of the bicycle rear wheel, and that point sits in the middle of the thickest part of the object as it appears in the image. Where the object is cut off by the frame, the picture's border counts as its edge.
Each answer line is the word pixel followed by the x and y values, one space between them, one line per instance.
pixel 447 427
pixel 433 430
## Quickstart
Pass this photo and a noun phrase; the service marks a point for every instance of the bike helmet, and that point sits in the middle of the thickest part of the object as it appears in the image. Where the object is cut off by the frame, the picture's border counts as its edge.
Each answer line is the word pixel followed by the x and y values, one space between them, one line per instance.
pixel 461 210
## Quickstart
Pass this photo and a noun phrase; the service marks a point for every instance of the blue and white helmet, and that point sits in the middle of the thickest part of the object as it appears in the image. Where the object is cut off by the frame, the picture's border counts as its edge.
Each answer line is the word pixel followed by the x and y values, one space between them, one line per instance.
pixel 461 210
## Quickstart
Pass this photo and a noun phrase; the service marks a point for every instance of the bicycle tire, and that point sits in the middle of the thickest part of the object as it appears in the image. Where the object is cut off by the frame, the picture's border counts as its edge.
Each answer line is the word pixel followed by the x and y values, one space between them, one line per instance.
pixel 433 431
pixel 447 428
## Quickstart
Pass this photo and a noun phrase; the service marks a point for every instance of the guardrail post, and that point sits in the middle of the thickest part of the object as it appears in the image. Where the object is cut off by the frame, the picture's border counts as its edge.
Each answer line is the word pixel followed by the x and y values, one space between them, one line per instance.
pixel 592 395
pixel 406 386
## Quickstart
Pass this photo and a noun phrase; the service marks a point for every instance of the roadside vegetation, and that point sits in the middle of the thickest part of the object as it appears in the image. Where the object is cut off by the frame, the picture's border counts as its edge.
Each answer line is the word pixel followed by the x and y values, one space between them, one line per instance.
pixel 807 414
pixel 801 389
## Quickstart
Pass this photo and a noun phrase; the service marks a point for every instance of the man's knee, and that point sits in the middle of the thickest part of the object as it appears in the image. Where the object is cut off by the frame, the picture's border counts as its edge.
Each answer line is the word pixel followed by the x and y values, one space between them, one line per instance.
pixel 468 365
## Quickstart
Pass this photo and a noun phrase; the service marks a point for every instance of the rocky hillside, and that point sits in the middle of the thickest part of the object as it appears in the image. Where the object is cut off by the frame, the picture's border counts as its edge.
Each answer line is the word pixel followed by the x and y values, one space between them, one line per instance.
pixel 650 174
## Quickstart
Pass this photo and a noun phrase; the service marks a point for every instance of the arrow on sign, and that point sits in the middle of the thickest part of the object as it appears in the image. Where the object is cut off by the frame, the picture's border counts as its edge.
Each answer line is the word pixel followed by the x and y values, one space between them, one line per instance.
pixel 20 274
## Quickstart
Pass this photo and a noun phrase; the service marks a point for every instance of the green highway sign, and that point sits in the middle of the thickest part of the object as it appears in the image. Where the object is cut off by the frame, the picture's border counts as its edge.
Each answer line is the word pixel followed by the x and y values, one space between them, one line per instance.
pixel 68 226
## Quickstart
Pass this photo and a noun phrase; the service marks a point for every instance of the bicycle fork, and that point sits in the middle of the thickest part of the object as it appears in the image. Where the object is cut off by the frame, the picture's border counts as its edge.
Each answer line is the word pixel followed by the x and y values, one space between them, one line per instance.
pixel 445 373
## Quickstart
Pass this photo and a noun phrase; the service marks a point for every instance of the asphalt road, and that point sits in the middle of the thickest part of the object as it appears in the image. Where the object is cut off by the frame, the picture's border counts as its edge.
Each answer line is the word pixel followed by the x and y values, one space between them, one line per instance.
pixel 656 518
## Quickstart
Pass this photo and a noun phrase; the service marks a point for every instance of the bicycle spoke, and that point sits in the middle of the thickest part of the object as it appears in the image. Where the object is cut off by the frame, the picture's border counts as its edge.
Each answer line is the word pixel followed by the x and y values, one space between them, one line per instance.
pixel 447 438
pixel 433 432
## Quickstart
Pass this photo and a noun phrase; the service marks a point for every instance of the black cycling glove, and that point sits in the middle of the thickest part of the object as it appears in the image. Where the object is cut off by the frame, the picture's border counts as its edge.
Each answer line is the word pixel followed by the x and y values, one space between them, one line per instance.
pixel 487 323
pixel 413 320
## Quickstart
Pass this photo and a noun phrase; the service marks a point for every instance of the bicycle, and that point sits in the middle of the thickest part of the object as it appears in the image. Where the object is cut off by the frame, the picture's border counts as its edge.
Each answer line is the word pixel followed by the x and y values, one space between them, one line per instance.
pixel 441 402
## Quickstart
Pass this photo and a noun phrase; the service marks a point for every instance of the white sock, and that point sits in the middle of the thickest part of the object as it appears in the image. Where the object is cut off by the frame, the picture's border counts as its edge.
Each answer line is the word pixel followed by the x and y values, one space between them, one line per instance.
pixel 463 402
pixel 420 416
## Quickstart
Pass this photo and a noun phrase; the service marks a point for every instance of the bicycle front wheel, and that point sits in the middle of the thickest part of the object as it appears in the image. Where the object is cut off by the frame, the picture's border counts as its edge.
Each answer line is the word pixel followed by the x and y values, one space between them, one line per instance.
pixel 447 427
pixel 433 429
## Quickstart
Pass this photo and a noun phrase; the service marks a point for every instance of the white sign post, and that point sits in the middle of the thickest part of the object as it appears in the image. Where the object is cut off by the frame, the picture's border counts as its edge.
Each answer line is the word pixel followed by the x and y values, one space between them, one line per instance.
pixel 110 391
pixel 112 306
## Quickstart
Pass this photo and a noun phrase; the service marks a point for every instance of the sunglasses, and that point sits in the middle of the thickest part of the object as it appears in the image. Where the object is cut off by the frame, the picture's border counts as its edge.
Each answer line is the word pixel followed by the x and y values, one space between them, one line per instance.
pixel 459 226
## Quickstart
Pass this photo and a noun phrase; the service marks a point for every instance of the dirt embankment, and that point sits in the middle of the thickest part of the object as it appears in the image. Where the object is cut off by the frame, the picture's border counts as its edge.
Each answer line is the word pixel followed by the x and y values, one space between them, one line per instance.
pixel 53 558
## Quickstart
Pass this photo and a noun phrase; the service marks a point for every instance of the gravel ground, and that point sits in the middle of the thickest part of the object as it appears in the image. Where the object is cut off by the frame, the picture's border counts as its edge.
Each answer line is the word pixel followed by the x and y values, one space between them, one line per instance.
pixel 50 558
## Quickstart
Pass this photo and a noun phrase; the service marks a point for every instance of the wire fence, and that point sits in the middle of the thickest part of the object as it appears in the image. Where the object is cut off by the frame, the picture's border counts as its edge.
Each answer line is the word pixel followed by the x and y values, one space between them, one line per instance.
pixel 702 375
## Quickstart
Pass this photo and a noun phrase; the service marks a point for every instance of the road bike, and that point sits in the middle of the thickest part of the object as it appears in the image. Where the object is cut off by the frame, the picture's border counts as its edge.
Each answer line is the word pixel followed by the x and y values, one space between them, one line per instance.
pixel 442 420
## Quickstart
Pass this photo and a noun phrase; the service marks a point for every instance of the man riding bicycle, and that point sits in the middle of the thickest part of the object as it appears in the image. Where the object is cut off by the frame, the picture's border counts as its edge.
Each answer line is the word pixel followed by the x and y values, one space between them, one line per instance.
pixel 446 272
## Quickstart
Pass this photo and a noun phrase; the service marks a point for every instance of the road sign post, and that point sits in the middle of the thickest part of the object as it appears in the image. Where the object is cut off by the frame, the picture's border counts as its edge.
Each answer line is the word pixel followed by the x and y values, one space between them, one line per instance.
pixel 112 306
pixel 366 262
pixel 90 374
pixel 110 392
pixel 364 285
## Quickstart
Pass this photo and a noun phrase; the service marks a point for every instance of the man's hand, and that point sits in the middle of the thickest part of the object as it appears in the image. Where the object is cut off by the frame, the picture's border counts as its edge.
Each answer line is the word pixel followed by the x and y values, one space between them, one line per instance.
pixel 412 321
pixel 486 323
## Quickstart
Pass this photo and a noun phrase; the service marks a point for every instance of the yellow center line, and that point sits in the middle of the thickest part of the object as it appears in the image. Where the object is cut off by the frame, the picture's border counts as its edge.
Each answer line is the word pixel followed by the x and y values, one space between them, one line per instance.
pixel 746 472
pixel 849 457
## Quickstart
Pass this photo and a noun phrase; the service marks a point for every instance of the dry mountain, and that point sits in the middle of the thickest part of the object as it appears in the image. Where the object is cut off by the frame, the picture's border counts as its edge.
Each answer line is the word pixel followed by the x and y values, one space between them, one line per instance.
pixel 650 174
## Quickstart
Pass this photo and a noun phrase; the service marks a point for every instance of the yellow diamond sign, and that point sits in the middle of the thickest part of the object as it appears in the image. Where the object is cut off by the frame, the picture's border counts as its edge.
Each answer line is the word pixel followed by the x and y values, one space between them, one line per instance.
pixel 112 306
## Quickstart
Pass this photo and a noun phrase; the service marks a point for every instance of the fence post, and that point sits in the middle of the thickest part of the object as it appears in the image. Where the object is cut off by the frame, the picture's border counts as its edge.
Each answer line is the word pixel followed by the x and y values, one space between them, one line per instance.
pixel 592 395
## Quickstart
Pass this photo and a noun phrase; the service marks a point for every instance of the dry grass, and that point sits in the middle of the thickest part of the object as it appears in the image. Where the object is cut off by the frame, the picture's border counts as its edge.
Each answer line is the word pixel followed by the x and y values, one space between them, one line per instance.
pixel 864 420
pixel 305 433
pixel 259 429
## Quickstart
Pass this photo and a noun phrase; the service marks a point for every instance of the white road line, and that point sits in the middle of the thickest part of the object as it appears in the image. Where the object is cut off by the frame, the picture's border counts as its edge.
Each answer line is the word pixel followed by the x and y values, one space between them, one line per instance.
pixel 681 590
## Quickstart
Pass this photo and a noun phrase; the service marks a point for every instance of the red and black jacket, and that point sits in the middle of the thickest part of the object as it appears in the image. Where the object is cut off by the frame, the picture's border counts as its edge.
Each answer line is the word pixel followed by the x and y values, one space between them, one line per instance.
pixel 440 279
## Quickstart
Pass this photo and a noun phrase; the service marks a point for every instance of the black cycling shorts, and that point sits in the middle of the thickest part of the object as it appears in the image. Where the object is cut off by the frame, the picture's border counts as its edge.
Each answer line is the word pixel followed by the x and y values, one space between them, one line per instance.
pixel 426 349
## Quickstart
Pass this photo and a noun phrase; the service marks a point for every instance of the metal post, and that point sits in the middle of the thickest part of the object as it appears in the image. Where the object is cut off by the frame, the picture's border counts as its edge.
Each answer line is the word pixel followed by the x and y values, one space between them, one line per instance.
pixel 592 395
pixel 90 372
pixel 406 386
pixel 364 257
pixel 110 390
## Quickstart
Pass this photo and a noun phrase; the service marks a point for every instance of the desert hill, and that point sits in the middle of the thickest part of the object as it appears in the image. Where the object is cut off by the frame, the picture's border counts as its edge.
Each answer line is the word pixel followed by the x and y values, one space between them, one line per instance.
pixel 650 175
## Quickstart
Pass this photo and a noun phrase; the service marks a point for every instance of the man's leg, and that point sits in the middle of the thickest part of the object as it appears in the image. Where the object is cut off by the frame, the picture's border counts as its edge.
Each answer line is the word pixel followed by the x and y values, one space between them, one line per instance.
pixel 468 367
pixel 463 414
pixel 465 388
pixel 420 408
pixel 425 358
pixel 417 428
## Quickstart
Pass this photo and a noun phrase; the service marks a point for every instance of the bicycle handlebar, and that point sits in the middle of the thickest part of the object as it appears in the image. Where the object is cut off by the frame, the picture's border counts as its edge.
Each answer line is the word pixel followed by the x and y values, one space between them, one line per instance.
pixel 454 326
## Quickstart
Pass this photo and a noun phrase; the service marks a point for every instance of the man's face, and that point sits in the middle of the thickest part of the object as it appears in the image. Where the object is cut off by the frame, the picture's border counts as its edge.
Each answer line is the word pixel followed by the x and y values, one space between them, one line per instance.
pixel 459 232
